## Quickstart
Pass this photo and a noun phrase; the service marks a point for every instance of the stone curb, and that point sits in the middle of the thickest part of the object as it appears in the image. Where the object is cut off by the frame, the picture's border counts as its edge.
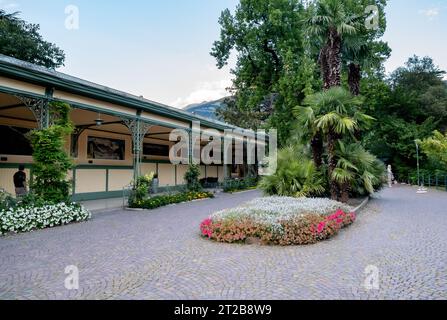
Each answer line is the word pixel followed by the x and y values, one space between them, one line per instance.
pixel 239 192
pixel 362 205
pixel 169 205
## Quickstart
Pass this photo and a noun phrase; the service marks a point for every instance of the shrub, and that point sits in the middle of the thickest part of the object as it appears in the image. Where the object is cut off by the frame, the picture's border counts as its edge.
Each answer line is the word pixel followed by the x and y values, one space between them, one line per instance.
pixel 232 185
pixel 6 200
pixel 24 219
pixel 192 178
pixel 141 187
pixel 296 176
pixel 164 200
pixel 278 221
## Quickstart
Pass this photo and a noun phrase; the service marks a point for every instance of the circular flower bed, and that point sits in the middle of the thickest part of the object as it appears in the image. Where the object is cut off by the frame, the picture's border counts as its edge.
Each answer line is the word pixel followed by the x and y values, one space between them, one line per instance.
pixel 279 221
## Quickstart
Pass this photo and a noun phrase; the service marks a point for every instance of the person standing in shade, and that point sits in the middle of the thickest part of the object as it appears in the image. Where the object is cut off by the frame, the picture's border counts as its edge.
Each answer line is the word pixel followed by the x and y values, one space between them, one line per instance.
pixel 20 182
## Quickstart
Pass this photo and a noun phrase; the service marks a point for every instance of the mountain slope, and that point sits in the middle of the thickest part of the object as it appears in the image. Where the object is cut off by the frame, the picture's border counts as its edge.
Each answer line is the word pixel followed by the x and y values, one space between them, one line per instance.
pixel 206 109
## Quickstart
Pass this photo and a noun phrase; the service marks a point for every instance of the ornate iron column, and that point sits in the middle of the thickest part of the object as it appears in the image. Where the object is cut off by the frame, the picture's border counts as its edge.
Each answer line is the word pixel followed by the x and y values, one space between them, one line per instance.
pixel 40 109
pixel 139 129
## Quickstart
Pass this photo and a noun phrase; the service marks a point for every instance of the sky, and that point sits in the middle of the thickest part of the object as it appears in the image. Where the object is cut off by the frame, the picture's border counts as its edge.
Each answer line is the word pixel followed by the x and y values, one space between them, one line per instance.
pixel 159 49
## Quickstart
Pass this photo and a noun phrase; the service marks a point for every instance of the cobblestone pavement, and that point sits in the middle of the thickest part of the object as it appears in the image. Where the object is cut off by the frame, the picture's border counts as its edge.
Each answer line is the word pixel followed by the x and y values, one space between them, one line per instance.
pixel 159 255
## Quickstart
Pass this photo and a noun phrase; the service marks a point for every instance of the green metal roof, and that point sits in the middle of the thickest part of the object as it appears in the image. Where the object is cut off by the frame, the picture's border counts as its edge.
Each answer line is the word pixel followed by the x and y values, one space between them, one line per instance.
pixel 52 79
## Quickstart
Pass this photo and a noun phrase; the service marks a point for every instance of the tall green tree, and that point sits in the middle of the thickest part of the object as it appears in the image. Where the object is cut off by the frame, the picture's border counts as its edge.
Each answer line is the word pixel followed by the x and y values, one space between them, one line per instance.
pixel 22 40
pixel 410 104
pixel 272 72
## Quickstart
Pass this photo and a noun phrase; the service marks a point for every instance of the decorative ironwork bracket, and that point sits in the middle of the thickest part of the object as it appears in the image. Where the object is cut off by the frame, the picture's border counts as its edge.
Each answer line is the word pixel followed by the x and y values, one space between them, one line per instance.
pixel 40 110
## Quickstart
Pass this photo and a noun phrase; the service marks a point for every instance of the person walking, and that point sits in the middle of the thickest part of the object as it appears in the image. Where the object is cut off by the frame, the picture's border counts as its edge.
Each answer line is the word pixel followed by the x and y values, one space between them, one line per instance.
pixel 20 182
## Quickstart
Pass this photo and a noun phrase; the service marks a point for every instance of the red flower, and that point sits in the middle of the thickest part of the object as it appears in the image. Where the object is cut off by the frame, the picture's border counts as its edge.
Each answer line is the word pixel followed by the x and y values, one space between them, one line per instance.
pixel 321 226
pixel 207 227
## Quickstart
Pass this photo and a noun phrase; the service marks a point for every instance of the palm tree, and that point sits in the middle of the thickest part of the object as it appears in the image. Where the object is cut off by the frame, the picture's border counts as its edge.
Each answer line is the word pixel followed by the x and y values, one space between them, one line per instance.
pixel 330 21
pixel 295 176
pixel 333 113
pixel 357 170
pixel 361 53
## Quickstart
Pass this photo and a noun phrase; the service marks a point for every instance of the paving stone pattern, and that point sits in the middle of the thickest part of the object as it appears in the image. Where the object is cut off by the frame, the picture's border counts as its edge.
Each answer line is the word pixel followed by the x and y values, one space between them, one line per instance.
pixel 159 255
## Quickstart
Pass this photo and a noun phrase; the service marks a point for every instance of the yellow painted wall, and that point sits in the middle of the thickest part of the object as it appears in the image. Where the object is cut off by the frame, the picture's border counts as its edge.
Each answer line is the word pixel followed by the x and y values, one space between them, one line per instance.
pixel 202 172
pixel 148 168
pixel 181 170
pixel 212 172
pixel 23 86
pixel 91 102
pixel 119 179
pixel 90 180
pixel 6 179
pixel 166 174
pixel 221 174
pixel 176 123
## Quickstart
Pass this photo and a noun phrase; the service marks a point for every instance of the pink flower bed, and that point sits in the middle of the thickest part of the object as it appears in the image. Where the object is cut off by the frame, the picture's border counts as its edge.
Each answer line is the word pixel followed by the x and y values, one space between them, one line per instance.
pixel 301 230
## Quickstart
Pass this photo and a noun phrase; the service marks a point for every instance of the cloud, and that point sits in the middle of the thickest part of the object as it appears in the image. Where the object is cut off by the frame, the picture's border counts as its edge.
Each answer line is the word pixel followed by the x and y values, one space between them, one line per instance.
pixel 206 91
pixel 430 13
pixel 8 5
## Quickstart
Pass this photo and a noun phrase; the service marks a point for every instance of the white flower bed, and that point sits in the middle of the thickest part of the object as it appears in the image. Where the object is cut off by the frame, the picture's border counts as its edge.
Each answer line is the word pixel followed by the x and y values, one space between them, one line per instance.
pixel 30 218
pixel 272 210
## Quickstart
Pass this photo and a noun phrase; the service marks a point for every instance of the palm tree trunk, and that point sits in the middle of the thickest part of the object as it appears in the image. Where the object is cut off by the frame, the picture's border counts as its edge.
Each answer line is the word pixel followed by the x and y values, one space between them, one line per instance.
pixel 333 57
pixel 317 149
pixel 354 77
pixel 324 66
pixel 344 192
pixel 332 140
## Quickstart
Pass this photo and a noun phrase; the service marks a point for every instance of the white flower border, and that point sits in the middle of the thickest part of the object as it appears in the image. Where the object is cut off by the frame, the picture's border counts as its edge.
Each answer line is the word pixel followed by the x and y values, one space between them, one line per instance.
pixel 15 220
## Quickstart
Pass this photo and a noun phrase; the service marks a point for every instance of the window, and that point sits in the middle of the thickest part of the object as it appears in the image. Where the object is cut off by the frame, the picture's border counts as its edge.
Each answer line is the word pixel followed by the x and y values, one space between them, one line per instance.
pixel 150 149
pixel 13 141
pixel 105 148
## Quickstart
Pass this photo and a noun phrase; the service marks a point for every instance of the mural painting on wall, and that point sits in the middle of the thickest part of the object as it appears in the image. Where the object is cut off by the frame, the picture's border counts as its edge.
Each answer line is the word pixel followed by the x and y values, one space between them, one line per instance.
pixel 105 148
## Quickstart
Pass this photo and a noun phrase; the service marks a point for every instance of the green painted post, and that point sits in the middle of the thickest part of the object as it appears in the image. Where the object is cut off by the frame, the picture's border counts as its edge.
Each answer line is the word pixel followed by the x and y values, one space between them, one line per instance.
pixel 107 180
pixel 429 180
pixel 74 182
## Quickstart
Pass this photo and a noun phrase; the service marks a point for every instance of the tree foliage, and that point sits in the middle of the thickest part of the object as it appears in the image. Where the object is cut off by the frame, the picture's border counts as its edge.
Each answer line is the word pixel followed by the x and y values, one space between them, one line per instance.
pixel 272 73
pixel 410 104
pixel 435 147
pixel 22 40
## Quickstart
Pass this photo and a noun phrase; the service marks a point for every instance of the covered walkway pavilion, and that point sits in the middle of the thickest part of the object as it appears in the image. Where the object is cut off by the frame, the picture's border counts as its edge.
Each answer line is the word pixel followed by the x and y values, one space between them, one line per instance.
pixel 118 136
